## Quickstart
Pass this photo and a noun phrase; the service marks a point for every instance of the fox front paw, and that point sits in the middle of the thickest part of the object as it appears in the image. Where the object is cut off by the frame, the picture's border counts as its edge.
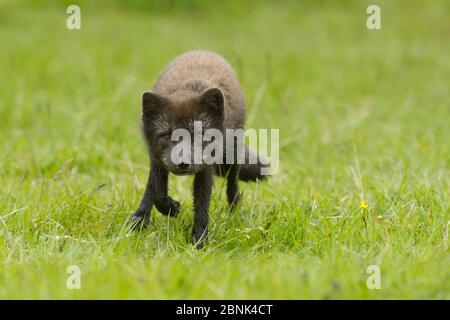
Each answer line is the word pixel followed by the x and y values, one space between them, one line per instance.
pixel 139 220
pixel 168 207
pixel 200 237
pixel 235 200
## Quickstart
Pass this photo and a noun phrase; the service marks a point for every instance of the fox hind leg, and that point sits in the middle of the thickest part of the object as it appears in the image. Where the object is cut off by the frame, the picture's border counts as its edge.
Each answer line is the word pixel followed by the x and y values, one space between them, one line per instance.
pixel 233 194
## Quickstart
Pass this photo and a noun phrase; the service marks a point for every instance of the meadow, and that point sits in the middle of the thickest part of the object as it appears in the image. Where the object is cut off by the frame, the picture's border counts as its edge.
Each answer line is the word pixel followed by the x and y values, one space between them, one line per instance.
pixel 363 115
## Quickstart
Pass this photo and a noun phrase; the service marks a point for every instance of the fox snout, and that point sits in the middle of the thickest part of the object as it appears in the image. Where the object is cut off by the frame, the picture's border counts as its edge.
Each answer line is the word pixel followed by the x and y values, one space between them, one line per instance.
pixel 180 160
pixel 183 168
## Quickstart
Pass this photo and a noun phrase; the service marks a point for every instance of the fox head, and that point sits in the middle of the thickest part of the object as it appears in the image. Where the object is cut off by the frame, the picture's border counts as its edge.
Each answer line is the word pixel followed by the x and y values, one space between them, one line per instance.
pixel 164 117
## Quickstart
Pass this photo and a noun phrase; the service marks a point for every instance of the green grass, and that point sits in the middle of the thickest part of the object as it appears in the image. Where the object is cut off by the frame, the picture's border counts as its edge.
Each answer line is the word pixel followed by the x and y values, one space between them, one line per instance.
pixel 362 114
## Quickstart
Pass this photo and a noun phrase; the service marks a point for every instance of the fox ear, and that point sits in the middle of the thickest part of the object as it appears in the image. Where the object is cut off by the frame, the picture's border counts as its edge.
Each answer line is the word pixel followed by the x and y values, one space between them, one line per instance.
pixel 212 101
pixel 152 104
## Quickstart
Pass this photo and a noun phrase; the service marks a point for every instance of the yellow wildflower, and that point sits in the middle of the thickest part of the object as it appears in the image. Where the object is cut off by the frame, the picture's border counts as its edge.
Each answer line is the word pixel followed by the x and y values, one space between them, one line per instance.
pixel 363 205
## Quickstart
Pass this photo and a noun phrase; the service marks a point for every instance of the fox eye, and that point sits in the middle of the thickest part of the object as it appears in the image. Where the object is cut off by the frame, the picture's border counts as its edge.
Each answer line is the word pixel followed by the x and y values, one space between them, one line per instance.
pixel 165 135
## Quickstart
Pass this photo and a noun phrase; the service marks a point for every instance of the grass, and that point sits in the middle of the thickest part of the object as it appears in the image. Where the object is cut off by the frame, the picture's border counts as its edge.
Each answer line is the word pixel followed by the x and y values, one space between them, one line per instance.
pixel 362 115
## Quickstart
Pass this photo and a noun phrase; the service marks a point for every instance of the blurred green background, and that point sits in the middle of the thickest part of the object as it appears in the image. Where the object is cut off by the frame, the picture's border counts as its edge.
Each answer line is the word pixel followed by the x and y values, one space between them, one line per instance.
pixel 363 114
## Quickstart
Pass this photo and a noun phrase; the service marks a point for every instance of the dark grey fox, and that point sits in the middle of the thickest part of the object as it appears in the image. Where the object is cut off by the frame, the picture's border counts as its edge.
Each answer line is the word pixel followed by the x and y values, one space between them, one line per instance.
pixel 195 86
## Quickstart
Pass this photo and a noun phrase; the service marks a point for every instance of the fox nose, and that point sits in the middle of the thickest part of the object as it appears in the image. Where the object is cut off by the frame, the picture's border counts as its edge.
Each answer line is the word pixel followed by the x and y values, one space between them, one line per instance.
pixel 183 166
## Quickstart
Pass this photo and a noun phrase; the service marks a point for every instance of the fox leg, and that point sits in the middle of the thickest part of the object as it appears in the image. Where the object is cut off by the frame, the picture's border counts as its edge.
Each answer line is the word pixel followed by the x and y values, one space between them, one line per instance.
pixel 233 193
pixel 155 194
pixel 165 204
pixel 203 183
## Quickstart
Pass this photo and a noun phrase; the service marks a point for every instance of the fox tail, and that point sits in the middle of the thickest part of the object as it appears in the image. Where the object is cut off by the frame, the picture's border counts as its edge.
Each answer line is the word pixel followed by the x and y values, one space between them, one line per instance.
pixel 253 171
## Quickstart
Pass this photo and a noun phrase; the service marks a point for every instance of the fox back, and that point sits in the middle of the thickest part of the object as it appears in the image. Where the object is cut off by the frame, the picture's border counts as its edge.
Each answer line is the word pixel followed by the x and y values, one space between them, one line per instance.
pixel 195 71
